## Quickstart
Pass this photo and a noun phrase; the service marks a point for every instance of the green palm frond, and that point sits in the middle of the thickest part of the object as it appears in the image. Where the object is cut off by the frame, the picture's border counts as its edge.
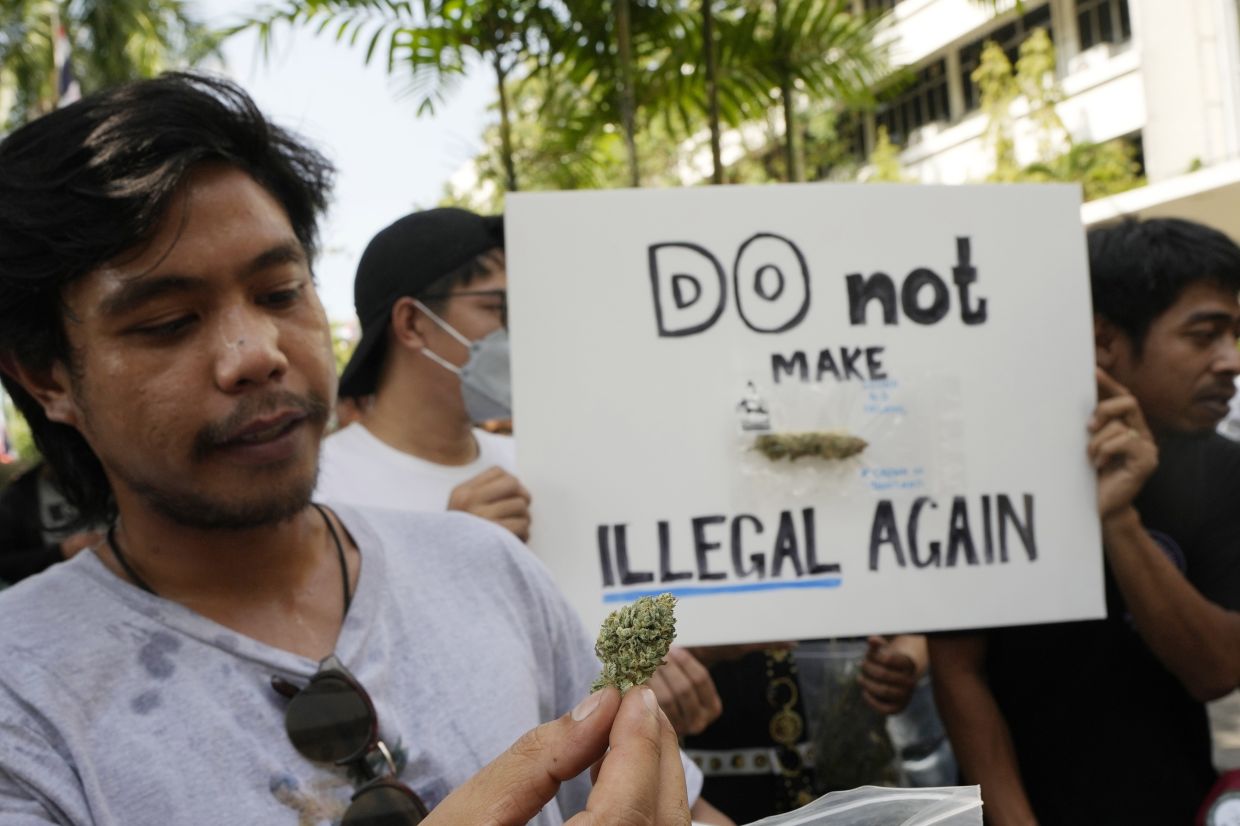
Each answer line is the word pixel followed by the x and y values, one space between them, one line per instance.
pixel 346 21
pixel 830 51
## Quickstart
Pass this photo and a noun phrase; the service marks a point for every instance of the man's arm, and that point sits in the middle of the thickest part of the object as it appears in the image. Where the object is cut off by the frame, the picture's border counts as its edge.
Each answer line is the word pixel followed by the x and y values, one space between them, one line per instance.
pixel 979 733
pixel 1195 639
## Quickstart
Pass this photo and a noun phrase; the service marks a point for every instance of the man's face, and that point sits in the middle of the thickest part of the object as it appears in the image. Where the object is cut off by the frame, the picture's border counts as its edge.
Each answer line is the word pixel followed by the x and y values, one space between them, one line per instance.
pixel 475 311
pixel 202 369
pixel 1186 371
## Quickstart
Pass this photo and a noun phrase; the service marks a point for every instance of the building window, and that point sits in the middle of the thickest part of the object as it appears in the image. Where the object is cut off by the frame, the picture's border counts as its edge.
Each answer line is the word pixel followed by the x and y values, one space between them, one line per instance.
pixel 1102 21
pixel 909 106
pixel 1009 38
pixel 880 6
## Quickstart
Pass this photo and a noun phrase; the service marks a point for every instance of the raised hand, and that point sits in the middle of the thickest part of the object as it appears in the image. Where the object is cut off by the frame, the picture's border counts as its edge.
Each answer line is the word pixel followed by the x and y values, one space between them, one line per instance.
pixel 890 671
pixel 686 692
pixel 1121 447
pixel 497 495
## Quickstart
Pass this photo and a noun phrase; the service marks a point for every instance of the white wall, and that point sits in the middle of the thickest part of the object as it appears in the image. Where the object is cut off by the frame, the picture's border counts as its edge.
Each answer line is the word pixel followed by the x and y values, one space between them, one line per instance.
pixel 1106 95
pixel 1184 54
pixel 919 28
pixel 1105 101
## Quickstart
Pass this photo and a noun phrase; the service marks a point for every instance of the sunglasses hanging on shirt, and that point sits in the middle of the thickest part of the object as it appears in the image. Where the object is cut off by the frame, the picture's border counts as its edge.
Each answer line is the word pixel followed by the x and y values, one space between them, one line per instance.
pixel 333 720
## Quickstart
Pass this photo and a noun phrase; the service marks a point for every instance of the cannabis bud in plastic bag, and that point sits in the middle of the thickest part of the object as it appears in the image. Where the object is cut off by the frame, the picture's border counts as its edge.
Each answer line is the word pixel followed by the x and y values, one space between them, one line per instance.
pixel 634 640
pixel 793 446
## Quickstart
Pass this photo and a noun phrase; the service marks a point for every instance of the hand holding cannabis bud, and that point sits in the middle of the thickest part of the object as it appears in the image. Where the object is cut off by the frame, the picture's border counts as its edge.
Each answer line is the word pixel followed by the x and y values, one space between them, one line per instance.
pixel 634 640
pixel 640 779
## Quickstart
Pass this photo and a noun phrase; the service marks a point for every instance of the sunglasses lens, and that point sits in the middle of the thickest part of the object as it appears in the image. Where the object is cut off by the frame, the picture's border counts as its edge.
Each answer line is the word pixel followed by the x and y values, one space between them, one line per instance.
pixel 384 804
pixel 329 721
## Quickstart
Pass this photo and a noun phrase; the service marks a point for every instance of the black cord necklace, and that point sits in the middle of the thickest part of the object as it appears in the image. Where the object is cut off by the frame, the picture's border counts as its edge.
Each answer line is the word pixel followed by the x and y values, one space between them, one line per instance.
pixel 115 545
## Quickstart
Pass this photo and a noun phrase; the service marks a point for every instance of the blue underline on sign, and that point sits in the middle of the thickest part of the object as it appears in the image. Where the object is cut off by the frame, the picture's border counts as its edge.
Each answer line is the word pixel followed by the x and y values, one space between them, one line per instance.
pixel 712 590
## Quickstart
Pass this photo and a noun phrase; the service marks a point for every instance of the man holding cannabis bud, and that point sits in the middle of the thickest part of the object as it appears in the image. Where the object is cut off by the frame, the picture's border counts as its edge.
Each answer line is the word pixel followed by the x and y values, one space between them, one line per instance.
pixel 233 653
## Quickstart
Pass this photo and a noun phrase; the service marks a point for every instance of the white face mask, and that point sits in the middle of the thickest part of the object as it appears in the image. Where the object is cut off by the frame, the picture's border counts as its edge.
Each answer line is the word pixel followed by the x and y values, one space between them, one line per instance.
pixel 486 378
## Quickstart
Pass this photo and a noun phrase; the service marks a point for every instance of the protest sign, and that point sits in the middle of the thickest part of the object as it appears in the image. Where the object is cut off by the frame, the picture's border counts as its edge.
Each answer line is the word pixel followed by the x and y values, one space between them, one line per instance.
pixel 810 410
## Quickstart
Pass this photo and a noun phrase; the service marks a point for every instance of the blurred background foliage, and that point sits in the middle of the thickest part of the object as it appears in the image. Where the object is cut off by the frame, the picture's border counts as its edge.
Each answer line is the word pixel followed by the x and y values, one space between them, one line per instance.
pixel 588 93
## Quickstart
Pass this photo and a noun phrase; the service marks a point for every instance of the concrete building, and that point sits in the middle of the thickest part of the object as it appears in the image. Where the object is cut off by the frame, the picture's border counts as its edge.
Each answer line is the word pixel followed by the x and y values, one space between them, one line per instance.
pixel 1164 74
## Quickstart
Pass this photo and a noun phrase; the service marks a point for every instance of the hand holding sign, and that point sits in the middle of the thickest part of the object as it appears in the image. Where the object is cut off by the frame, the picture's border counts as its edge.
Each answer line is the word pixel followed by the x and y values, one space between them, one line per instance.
pixel 1121 447
pixel 890 671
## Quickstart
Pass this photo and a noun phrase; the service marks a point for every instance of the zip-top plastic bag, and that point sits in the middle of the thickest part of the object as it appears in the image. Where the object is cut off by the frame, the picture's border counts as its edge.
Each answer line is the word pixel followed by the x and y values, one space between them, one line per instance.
pixel 879 806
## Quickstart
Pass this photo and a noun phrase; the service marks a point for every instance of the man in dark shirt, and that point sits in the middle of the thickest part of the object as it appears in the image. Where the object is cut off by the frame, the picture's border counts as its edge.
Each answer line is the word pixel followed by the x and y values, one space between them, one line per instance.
pixel 1104 721
pixel 38 526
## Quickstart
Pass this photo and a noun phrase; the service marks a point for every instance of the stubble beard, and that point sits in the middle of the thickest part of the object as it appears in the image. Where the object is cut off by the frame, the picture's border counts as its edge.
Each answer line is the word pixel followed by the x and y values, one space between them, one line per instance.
pixel 275 502
pixel 195 510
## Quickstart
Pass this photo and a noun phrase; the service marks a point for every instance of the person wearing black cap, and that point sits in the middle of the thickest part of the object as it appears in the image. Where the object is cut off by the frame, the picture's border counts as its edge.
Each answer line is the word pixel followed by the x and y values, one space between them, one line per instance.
pixel 430 294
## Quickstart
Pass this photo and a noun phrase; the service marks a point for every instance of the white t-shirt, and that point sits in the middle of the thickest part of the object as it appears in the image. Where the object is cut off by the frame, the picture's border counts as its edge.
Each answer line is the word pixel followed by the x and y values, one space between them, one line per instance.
pixel 118 707
pixel 357 468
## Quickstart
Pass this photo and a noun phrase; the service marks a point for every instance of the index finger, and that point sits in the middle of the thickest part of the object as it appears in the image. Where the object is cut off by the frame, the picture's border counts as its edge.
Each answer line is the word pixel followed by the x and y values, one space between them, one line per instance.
pixel 486 476
pixel 1108 387
pixel 515 786
pixel 892 668
pixel 888 656
pixel 499 485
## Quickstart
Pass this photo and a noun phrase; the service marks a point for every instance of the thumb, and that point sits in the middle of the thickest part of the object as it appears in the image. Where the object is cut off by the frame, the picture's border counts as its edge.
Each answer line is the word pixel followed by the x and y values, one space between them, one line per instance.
pixel 514 787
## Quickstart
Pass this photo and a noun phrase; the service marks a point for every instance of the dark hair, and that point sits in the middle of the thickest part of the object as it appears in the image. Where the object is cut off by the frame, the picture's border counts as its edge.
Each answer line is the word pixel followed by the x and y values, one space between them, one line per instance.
pixel 85 183
pixel 1138 268
pixel 472 270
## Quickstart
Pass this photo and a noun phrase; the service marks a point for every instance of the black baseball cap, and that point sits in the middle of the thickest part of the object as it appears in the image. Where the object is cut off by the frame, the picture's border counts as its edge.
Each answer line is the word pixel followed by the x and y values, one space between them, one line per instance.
pixel 404 259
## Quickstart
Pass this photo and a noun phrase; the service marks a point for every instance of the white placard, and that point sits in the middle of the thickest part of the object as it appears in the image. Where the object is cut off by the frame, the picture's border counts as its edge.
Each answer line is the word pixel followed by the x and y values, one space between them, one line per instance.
pixel 655 333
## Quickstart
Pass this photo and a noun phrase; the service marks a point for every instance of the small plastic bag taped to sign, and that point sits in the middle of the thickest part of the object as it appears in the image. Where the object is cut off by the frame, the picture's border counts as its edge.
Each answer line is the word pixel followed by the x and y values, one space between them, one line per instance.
pixel 878 806
pixel 847 441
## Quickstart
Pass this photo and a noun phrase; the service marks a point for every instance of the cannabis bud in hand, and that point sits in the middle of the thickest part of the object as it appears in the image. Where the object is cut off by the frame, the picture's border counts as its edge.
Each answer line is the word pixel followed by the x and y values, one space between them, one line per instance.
pixel 634 641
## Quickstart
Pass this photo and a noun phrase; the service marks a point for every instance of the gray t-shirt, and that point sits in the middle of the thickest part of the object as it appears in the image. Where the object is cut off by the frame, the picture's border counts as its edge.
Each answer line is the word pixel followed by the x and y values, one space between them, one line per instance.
pixel 118 707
